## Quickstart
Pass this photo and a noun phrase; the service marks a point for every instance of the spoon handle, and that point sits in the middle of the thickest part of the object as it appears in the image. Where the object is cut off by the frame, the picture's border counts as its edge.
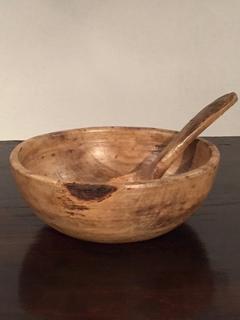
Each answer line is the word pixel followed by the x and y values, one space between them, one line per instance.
pixel 163 159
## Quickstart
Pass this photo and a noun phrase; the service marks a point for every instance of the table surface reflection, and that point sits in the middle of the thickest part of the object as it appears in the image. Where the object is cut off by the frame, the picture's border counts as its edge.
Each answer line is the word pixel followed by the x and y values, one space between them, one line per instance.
pixel 192 272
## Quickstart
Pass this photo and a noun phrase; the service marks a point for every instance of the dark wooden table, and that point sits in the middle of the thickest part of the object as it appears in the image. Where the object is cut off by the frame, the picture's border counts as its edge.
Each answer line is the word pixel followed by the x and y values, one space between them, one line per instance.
pixel 190 273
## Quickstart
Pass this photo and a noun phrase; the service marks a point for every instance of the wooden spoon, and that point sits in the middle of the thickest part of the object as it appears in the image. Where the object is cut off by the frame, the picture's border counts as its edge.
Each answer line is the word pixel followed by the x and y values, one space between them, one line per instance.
pixel 157 162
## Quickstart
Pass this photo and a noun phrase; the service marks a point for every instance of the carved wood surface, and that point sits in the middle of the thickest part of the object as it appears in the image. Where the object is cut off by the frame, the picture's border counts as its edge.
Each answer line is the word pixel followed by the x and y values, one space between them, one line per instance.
pixel 65 177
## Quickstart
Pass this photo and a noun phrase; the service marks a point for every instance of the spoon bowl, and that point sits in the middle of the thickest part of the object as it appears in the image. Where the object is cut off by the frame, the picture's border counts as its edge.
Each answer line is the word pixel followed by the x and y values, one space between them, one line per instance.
pixel 68 179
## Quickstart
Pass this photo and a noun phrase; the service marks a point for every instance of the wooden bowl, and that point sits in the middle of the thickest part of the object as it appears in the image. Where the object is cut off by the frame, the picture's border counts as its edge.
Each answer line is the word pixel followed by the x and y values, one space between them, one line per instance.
pixel 64 176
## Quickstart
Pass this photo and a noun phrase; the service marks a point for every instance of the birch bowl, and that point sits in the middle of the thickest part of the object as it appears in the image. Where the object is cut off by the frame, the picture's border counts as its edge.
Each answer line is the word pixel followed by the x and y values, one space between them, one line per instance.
pixel 66 178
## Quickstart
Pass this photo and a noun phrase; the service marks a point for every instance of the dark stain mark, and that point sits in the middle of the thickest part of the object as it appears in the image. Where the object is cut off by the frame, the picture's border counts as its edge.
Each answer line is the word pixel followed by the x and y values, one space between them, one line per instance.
pixel 76 207
pixel 42 157
pixel 90 192
pixel 53 154
pixel 72 213
pixel 68 204
pixel 70 150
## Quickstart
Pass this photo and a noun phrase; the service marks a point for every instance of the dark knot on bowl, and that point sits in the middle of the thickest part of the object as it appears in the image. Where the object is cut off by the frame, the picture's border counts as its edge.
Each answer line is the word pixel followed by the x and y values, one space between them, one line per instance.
pixel 89 192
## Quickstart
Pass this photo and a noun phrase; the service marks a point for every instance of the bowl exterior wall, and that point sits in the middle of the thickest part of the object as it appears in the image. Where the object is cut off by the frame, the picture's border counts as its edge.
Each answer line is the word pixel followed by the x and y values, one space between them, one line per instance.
pixel 116 214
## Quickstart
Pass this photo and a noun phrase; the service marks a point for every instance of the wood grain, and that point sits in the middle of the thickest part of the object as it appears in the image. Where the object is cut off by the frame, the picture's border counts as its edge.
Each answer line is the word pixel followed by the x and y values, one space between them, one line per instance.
pixel 65 176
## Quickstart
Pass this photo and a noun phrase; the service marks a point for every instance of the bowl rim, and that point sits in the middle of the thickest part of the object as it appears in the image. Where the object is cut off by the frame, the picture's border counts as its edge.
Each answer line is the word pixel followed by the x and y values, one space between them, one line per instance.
pixel 21 169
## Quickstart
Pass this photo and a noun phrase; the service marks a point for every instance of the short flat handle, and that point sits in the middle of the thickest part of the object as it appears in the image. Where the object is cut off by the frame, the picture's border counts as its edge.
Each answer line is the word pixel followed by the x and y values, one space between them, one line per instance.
pixel 146 169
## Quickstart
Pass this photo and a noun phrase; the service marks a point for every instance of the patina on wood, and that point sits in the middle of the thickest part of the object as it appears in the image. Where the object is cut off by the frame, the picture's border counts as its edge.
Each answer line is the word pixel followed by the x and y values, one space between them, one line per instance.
pixel 65 178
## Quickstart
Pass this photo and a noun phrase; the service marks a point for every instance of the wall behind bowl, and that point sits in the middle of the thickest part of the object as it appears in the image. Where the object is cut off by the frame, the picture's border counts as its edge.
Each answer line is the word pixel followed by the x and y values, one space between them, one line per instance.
pixel 78 63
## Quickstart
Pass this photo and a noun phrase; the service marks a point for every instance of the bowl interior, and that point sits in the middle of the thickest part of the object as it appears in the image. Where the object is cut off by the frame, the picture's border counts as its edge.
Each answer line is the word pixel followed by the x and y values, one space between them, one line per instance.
pixel 99 154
